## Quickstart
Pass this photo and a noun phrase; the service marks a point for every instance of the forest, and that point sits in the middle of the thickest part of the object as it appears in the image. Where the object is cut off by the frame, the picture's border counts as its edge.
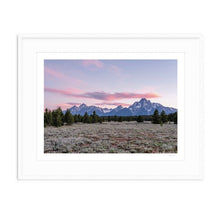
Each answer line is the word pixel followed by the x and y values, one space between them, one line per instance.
pixel 57 118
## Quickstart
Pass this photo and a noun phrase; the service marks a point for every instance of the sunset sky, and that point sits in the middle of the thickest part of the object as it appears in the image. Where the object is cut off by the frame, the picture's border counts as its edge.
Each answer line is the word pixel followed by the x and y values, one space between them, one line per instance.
pixel 109 83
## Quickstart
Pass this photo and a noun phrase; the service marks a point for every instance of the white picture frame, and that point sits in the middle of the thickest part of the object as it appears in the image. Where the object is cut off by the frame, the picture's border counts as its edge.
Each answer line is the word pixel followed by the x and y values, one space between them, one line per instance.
pixel 34 164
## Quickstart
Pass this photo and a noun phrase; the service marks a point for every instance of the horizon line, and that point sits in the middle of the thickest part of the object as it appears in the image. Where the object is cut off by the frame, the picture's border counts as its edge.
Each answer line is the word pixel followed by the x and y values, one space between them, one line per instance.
pixel 71 105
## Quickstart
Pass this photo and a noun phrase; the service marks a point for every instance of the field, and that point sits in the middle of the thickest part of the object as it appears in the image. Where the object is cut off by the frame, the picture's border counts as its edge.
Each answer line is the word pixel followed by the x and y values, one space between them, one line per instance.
pixel 111 137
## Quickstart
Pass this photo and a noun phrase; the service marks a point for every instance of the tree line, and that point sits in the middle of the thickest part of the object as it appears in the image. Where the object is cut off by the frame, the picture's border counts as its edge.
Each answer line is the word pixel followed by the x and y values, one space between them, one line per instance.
pixel 163 117
pixel 57 118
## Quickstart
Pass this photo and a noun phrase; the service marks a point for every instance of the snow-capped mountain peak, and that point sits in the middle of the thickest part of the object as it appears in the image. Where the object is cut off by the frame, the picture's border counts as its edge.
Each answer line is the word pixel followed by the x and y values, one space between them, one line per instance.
pixel 119 107
pixel 143 107
pixel 82 106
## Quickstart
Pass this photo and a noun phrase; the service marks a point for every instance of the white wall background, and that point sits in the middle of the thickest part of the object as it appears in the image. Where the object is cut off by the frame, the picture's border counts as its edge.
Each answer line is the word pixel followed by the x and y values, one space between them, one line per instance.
pixel 108 200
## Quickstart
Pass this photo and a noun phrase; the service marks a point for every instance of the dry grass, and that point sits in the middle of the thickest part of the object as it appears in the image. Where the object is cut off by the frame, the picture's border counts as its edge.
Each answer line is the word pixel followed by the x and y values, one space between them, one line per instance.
pixel 111 137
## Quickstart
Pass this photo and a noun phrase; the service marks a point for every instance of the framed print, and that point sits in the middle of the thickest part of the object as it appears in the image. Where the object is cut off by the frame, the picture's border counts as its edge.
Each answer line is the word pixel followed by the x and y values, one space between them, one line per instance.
pixel 110 107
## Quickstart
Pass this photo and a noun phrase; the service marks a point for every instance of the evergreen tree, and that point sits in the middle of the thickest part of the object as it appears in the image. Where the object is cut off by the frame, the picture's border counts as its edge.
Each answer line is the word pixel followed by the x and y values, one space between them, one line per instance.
pixel 46 123
pixel 68 118
pixel 60 112
pixel 47 118
pixel 86 118
pixel 57 117
pixel 156 117
pixel 109 118
pixel 140 118
pixel 50 117
pixel 175 118
pixel 170 117
pixel 163 117
pixel 100 120
pixel 94 117
pixel 79 117
pixel 75 118
pixel 120 119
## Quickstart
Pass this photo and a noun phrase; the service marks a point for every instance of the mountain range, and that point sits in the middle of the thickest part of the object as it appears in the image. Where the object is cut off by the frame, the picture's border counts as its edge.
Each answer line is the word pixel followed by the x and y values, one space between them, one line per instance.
pixel 143 107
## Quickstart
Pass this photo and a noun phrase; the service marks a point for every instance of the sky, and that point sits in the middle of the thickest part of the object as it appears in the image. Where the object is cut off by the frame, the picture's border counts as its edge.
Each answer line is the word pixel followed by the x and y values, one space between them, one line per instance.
pixel 109 83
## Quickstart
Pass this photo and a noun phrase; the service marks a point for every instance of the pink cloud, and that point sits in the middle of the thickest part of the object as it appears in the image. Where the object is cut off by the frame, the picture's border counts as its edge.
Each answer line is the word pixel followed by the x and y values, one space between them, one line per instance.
pixel 57 74
pixel 65 106
pixel 53 73
pixel 118 95
pixel 69 92
pixel 113 103
pixel 116 69
pixel 75 90
pixel 93 63
pixel 103 95
pixel 73 103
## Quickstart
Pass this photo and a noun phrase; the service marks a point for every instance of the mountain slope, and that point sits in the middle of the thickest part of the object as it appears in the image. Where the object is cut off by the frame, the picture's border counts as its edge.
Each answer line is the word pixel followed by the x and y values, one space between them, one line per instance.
pixel 143 107
pixel 82 109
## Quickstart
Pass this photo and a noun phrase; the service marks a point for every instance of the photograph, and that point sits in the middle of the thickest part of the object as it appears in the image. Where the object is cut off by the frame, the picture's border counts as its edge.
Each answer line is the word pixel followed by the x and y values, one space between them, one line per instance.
pixel 110 106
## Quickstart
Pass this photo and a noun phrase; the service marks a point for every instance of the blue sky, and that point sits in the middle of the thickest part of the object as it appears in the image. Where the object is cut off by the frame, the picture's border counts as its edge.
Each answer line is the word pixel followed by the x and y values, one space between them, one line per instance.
pixel 108 83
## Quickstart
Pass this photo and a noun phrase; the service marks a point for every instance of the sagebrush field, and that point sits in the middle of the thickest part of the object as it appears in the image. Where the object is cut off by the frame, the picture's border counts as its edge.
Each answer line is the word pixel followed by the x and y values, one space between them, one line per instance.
pixel 111 137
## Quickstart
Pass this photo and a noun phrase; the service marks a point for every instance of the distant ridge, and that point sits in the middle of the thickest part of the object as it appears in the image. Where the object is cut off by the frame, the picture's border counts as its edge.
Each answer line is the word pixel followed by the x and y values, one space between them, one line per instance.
pixel 143 107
